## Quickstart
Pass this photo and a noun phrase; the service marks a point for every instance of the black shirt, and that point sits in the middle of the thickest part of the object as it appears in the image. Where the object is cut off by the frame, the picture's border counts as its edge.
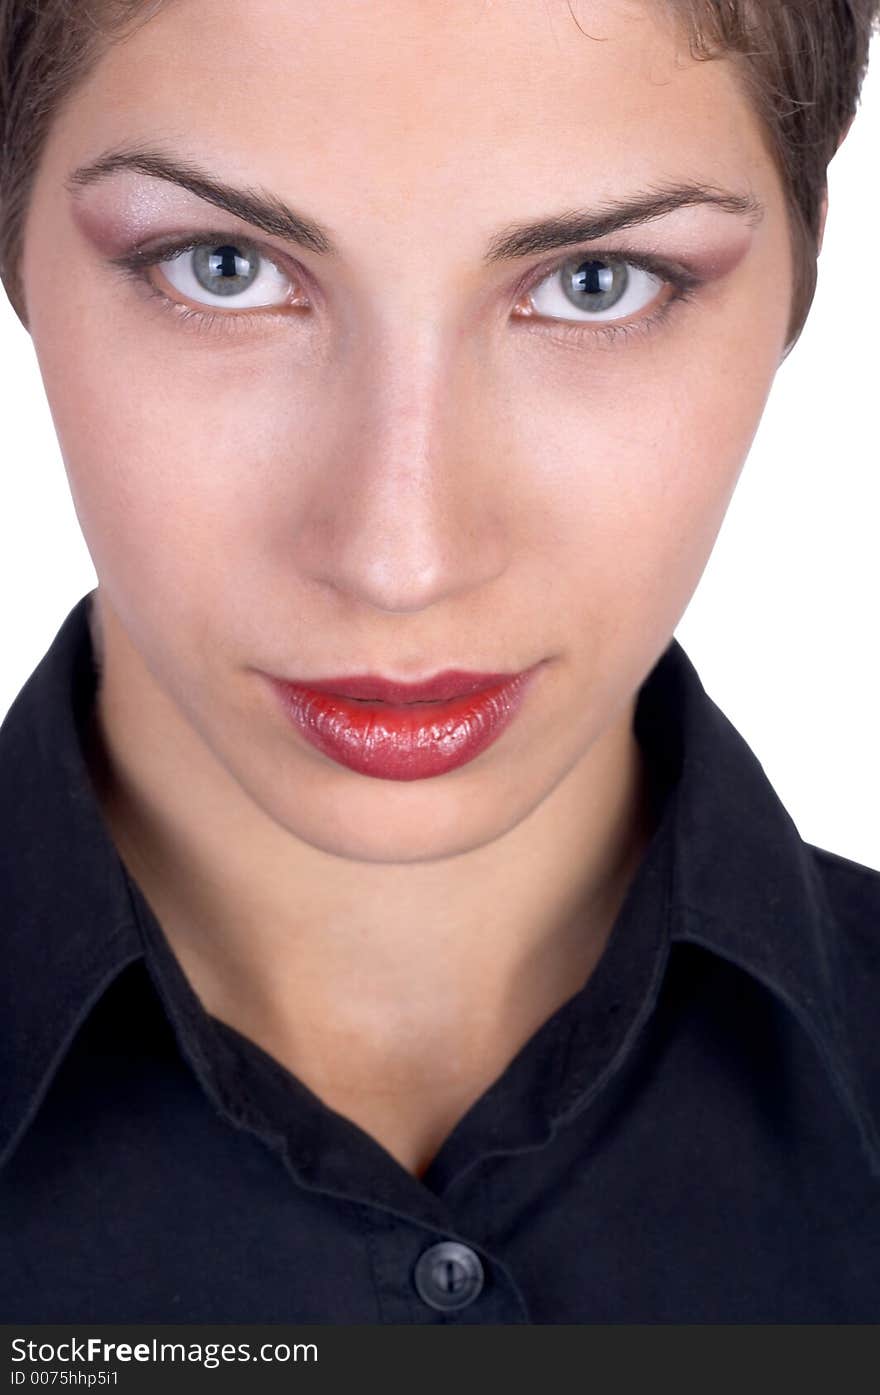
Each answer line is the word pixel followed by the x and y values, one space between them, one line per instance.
pixel 691 1137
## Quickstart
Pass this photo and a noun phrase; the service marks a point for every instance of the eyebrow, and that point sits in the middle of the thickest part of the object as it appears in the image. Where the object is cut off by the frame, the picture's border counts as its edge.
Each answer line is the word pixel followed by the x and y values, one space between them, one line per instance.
pixel 278 219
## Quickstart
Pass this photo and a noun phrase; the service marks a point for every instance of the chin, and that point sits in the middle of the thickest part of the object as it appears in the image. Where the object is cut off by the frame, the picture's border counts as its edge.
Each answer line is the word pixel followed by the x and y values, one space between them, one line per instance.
pixel 381 828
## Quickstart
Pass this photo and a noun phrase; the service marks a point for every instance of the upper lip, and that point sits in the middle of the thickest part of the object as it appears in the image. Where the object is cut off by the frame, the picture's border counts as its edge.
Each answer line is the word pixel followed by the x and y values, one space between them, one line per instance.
pixel 451 682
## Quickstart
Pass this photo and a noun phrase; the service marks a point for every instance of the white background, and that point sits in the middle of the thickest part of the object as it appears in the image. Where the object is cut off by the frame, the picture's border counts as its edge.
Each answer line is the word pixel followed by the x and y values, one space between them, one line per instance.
pixel 782 629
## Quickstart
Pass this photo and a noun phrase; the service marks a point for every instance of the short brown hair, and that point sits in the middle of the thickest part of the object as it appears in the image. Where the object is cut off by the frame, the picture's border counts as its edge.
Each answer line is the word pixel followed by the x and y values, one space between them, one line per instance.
pixel 801 62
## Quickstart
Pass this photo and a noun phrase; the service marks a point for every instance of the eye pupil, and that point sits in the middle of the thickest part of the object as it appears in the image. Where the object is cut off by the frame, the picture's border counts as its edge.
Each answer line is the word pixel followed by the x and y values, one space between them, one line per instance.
pixel 595 285
pixel 223 270
pixel 226 262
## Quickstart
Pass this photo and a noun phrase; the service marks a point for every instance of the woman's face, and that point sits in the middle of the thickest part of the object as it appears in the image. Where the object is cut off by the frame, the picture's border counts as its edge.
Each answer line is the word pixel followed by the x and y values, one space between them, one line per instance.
pixel 432 444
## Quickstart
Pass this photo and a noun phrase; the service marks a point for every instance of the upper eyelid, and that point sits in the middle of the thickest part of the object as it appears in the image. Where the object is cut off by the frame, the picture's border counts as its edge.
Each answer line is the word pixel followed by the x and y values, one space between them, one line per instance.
pixel 168 249
pixel 141 258
pixel 666 268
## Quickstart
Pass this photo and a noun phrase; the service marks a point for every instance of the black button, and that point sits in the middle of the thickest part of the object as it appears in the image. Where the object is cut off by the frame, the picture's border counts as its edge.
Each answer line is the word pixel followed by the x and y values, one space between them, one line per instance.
pixel 449 1275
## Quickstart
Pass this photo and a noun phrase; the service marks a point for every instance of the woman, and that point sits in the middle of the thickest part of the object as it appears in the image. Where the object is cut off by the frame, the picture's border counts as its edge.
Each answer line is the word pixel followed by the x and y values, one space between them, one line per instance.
pixel 396 931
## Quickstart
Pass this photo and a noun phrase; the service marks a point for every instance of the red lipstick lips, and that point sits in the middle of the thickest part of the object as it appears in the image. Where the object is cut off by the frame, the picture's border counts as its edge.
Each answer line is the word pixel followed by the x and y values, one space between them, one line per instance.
pixel 404 731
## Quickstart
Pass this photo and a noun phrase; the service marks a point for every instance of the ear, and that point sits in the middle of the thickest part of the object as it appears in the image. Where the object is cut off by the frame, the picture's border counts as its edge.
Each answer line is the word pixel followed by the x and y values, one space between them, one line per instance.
pixel 823 214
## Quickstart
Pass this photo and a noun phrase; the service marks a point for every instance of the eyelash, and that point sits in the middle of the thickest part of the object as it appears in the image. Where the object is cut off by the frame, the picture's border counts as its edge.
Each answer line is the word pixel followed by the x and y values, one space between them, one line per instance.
pixel 685 284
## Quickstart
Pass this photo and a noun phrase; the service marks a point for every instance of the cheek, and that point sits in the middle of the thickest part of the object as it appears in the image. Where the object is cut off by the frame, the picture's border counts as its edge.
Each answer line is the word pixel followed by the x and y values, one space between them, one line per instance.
pixel 175 455
pixel 173 444
pixel 634 458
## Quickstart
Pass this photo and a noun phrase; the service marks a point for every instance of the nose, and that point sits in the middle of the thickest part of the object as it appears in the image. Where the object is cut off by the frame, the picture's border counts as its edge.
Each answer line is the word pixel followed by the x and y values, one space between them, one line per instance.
pixel 406 507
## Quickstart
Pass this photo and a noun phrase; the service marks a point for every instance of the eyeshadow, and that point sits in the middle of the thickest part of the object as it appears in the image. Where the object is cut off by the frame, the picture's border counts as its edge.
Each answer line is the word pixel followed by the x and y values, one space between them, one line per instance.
pixel 127 208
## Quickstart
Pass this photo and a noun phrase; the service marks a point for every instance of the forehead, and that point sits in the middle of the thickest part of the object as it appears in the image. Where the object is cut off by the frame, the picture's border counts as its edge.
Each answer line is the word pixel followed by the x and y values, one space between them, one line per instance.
pixel 372 108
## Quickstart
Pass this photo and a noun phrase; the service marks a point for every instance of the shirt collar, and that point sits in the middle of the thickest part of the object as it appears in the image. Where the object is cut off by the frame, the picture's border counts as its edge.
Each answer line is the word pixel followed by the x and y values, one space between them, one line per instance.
pixel 67 924
pixel 743 882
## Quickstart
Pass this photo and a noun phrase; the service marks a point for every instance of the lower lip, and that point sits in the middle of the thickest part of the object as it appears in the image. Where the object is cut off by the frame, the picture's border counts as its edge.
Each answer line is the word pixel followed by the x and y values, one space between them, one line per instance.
pixel 410 742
